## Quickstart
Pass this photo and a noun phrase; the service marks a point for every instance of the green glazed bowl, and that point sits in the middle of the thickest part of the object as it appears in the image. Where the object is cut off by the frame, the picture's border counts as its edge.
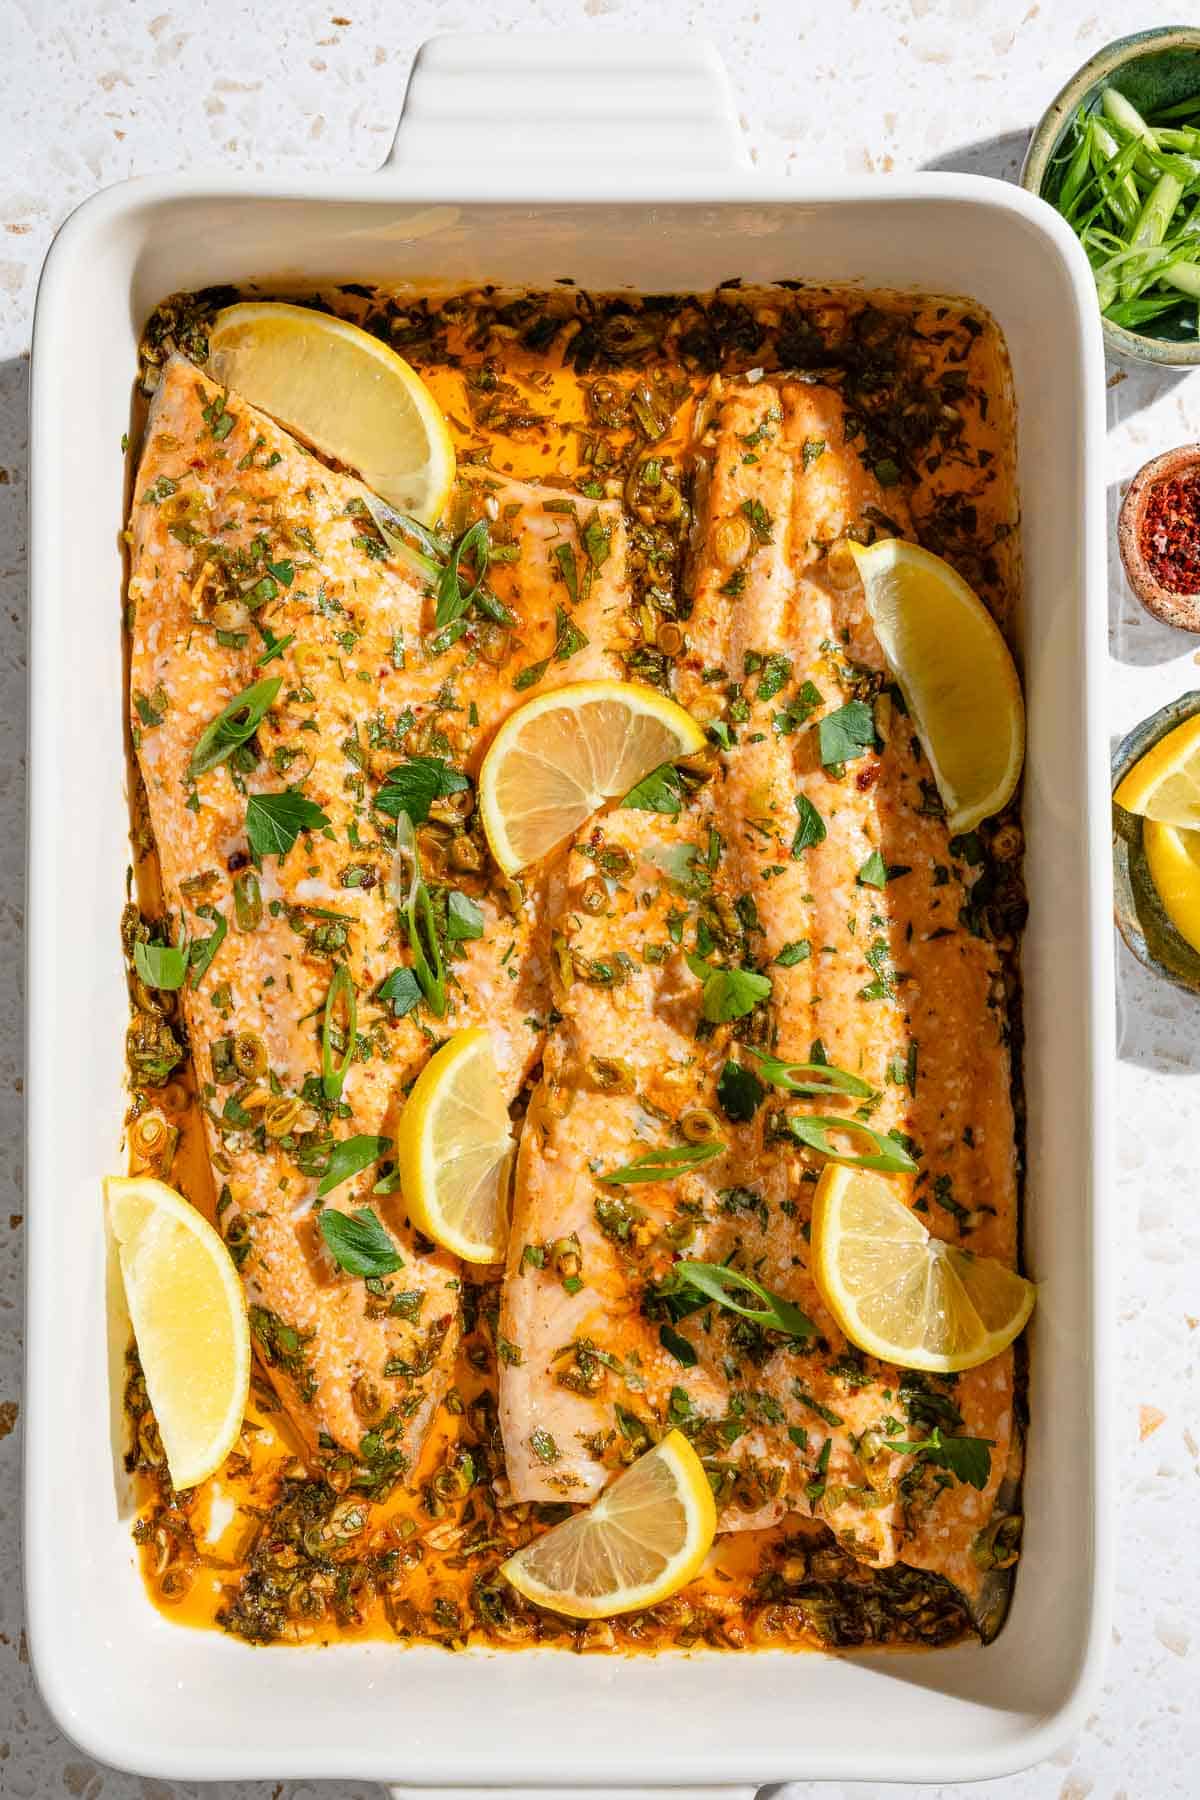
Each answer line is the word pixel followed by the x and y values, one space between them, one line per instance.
pixel 1140 916
pixel 1152 69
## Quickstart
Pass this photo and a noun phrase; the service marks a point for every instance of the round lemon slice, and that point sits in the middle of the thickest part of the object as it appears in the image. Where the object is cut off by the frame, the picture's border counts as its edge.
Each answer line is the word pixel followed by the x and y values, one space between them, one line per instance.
pixel 1173 858
pixel 562 755
pixel 900 1293
pixel 454 1150
pixel 956 674
pixel 189 1318
pixel 1165 783
pixel 342 391
pixel 642 1540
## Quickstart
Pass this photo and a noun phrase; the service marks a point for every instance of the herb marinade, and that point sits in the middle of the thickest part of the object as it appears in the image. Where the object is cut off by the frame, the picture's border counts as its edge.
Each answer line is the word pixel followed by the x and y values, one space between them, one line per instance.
pixel 594 398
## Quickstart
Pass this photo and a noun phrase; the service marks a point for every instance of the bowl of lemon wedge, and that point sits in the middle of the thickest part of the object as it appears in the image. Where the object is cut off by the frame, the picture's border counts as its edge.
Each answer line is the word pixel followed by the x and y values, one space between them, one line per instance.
pixel 1156 841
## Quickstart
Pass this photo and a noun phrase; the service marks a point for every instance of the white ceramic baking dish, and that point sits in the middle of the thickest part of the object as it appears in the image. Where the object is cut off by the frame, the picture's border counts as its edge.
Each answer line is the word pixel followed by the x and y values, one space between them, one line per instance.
pixel 520 160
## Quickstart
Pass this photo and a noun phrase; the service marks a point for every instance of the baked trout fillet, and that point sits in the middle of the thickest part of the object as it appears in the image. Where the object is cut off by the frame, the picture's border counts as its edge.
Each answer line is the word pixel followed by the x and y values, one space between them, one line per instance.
pixel 252 562
pixel 816 862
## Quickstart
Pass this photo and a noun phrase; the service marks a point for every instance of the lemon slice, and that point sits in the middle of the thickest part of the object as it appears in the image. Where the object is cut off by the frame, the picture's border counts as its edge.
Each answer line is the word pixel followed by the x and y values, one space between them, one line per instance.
pixel 342 391
pixel 645 1536
pixel 454 1150
pixel 189 1318
pixel 559 757
pixel 901 1294
pixel 955 672
pixel 1165 783
pixel 1173 858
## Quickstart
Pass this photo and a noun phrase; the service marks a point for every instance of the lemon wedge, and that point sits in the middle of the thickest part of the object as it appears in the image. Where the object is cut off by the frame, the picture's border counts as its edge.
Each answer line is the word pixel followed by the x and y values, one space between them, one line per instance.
pixel 642 1540
pixel 562 755
pixel 1165 783
pixel 454 1150
pixel 189 1318
pixel 342 391
pixel 900 1293
pixel 956 674
pixel 1173 858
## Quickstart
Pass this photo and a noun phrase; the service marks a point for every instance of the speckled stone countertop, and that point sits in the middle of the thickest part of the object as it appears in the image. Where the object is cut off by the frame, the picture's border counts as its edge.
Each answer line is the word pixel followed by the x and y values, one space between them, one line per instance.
pixel 92 91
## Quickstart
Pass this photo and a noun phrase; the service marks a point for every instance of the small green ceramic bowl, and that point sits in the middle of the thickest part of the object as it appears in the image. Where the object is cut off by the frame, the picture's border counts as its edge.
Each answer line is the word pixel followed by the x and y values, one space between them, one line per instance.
pixel 1153 69
pixel 1140 915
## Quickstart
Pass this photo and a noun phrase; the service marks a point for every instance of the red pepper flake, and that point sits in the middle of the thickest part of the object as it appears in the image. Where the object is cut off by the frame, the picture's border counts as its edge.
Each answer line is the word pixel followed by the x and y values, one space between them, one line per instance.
pixel 1170 534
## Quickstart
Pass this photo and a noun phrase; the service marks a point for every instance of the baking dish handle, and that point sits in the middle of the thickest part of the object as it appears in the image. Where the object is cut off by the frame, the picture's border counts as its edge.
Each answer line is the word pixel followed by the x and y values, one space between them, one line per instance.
pixel 498 104
pixel 727 1791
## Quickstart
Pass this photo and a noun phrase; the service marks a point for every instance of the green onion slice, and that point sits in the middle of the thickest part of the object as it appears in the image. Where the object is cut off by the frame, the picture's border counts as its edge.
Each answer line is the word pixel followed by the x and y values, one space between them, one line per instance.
pixel 664 1165
pixel 719 1283
pixel 810 1077
pixel 333 1074
pixel 889 1155
pixel 234 725
pixel 409 892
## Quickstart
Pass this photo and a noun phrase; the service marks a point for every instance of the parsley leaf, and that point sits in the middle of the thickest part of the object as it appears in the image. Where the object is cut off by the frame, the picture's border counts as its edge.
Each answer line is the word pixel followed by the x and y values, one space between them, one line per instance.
pixel 877 873
pixel 811 450
pixel 358 1243
pixel 729 993
pixel 161 966
pixel 657 792
pixel 968 1459
pixel 234 725
pixel 798 951
pixel 597 541
pixel 811 829
pixel 777 672
pixel 564 556
pixel 414 785
pixel 805 701
pixel 401 990
pixel 874 872
pixel 349 1157
pixel 760 521
pixel 464 920
pixel 678 1346
pixel 739 1092
pixel 847 733
pixel 274 821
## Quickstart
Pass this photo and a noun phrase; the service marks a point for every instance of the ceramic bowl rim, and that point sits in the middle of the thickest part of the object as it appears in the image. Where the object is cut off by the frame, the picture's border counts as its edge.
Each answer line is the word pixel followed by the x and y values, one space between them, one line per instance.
pixel 1131 345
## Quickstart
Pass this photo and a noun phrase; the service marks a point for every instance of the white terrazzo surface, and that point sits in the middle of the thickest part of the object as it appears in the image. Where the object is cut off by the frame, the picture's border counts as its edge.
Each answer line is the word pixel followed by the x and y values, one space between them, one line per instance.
pixel 92 91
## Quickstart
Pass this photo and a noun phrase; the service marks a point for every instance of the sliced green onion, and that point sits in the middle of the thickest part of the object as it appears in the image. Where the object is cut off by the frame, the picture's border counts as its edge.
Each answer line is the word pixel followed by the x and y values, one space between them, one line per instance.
pixel 409 535
pixel 234 725
pixel 822 1078
pixel 333 1074
pixel 889 1154
pixel 1151 227
pixel 1122 112
pixel 718 1282
pixel 1076 171
pixel 664 1165
pixel 408 891
pixel 1183 275
pixel 247 900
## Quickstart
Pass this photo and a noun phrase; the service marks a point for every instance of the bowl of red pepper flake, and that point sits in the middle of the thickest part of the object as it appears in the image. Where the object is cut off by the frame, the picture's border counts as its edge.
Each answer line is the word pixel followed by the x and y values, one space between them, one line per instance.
pixel 1159 535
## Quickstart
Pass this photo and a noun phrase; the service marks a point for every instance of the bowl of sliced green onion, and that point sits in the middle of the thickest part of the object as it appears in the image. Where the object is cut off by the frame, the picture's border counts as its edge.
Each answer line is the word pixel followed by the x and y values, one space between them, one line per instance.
pixel 1118 155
